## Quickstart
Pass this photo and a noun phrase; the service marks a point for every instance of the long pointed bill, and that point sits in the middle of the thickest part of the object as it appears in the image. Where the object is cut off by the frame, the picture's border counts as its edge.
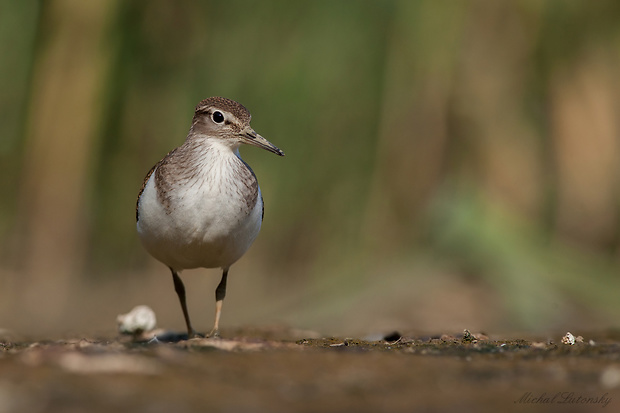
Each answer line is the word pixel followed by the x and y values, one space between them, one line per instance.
pixel 252 138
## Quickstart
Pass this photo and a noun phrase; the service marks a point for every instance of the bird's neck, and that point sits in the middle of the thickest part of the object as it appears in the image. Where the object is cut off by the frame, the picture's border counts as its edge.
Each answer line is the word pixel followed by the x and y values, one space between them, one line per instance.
pixel 204 158
pixel 198 152
pixel 199 146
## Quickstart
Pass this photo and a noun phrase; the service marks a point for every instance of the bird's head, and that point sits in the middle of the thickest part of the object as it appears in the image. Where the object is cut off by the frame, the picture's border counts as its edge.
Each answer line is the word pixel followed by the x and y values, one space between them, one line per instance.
pixel 228 121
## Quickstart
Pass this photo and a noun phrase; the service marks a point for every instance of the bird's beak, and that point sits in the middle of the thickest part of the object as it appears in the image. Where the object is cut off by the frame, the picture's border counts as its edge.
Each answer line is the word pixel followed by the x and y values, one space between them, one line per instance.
pixel 252 138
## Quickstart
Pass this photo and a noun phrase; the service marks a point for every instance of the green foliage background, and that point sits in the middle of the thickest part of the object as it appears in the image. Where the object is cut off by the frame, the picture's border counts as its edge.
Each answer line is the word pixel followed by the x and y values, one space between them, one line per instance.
pixel 447 162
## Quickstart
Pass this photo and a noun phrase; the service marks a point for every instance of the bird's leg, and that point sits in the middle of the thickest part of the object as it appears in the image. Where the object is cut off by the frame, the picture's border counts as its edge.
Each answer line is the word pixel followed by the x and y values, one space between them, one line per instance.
pixel 220 293
pixel 180 290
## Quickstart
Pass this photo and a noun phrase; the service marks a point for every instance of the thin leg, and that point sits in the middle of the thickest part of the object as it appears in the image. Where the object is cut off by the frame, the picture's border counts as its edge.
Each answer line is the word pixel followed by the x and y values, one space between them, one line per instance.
pixel 220 293
pixel 180 290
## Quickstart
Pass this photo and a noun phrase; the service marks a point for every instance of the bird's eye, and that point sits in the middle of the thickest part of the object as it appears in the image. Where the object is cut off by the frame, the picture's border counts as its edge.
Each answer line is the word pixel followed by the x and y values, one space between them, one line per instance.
pixel 217 117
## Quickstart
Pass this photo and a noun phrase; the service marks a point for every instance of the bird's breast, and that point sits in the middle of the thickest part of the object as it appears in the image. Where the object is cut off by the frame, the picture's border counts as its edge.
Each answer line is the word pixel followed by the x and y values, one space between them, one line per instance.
pixel 204 213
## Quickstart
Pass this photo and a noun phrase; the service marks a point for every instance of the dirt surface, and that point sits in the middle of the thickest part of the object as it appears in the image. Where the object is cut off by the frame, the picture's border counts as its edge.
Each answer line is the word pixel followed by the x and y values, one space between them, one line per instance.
pixel 273 371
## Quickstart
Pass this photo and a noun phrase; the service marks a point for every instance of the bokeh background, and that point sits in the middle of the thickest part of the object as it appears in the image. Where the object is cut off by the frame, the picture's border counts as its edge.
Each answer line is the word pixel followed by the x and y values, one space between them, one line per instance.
pixel 449 164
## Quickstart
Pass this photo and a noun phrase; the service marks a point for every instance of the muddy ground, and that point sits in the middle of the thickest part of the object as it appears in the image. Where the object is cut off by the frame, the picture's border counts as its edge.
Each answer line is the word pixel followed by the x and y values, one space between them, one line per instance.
pixel 279 371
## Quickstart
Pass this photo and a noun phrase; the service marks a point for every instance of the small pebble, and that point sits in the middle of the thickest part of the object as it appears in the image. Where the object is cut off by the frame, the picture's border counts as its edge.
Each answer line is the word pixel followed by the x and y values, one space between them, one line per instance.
pixel 139 319
pixel 568 339
pixel 392 337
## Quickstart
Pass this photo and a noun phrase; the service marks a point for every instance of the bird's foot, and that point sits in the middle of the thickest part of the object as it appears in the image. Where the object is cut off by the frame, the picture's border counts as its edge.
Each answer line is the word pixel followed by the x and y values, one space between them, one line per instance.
pixel 194 334
pixel 215 333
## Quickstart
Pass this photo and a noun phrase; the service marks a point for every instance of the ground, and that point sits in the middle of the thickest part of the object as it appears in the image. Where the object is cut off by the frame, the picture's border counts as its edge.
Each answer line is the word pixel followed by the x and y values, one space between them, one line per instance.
pixel 274 370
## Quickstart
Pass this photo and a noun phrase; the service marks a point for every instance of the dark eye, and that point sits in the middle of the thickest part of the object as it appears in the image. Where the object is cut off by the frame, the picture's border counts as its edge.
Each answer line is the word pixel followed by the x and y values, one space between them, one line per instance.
pixel 217 117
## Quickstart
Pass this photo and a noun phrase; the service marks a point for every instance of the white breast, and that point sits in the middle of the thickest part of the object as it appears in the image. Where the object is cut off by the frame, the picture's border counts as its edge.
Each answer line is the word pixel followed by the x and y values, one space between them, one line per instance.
pixel 206 219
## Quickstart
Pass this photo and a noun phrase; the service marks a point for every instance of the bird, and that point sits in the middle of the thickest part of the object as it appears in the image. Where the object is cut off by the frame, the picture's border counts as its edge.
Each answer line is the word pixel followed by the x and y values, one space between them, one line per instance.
pixel 201 206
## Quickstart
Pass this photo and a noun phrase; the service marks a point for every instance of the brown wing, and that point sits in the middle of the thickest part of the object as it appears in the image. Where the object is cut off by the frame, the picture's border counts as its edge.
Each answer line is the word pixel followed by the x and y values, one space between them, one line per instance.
pixel 146 179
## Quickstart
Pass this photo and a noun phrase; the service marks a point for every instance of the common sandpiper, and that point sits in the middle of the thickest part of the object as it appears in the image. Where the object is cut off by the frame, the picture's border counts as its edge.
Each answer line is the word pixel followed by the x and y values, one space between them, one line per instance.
pixel 201 206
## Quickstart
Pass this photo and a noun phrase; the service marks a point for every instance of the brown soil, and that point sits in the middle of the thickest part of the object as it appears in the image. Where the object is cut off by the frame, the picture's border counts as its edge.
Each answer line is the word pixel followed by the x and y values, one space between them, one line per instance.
pixel 270 371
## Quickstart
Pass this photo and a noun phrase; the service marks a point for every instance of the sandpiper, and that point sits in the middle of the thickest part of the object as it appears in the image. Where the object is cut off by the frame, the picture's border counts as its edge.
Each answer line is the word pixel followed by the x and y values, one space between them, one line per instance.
pixel 201 206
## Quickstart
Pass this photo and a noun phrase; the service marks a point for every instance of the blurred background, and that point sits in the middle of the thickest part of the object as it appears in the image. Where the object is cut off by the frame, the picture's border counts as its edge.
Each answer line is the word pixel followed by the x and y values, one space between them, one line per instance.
pixel 449 164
